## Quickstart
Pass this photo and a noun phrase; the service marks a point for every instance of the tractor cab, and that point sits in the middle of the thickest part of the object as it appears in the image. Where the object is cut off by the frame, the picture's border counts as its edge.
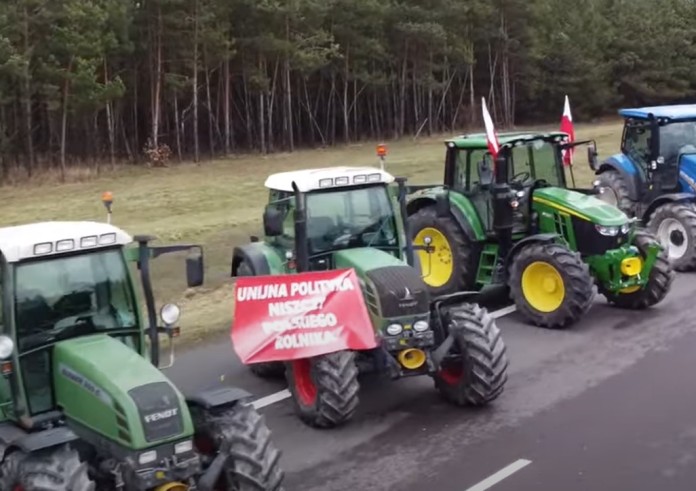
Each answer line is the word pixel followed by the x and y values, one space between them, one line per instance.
pixel 340 208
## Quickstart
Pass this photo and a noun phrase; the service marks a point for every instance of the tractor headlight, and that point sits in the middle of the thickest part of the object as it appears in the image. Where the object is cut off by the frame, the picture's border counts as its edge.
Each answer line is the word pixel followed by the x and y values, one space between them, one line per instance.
pixel 183 447
pixel 420 326
pixel 609 231
pixel 625 228
pixel 394 329
pixel 6 347
pixel 147 457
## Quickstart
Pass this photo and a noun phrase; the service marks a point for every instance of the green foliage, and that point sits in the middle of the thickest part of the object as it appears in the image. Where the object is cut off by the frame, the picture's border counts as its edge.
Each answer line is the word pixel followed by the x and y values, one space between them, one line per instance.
pixel 273 74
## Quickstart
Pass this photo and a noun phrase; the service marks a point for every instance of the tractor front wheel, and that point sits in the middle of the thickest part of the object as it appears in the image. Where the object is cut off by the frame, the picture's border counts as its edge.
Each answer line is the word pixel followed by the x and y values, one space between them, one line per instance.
pixel 659 282
pixel 241 432
pixel 475 372
pixel 615 191
pixel 675 227
pixel 324 388
pixel 57 469
pixel 451 266
pixel 271 369
pixel 551 285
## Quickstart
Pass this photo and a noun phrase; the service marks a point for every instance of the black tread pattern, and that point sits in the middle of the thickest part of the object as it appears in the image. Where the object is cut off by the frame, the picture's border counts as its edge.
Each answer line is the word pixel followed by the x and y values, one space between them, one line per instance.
pixel 253 463
pixel 55 469
pixel 661 278
pixel 685 213
pixel 614 180
pixel 335 376
pixel 269 370
pixel 482 354
pixel 465 261
pixel 579 284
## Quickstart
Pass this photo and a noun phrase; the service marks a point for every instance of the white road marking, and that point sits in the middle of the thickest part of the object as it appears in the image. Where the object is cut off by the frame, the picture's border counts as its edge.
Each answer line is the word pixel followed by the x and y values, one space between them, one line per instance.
pixel 503 473
pixel 285 393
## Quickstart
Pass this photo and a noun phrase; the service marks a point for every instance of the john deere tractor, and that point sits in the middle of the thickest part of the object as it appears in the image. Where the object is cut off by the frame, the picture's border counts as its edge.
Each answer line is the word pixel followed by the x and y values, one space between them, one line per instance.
pixel 83 405
pixel 353 217
pixel 654 176
pixel 514 222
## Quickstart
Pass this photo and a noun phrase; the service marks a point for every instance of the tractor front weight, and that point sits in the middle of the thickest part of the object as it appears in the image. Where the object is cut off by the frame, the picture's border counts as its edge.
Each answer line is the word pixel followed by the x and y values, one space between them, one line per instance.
pixel 623 269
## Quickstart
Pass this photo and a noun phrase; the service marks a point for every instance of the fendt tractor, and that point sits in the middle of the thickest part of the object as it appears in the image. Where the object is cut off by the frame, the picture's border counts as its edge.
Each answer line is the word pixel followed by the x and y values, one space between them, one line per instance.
pixel 514 221
pixel 654 176
pixel 352 217
pixel 83 405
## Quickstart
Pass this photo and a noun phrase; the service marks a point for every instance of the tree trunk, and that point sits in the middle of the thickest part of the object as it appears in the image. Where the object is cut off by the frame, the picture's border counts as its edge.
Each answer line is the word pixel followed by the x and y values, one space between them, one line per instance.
pixel 110 122
pixel 346 116
pixel 26 99
pixel 196 150
pixel 289 134
pixel 226 107
pixel 64 122
pixel 157 81
pixel 211 134
pixel 177 130
pixel 261 111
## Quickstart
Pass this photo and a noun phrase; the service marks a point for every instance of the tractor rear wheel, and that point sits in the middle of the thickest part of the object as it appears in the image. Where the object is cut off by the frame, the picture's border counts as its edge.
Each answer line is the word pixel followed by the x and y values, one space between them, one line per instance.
pixel 252 463
pixel 475 373
pixel 451 267
pixel 616 191
pixel 270 370
pixel 324 388
pixel 659 282
pixel 551 285
pixel 56 469
pixel 675 227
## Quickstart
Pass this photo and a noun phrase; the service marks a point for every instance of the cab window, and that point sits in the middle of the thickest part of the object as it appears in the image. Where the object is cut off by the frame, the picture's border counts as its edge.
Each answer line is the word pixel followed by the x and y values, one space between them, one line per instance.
pixel 637 143
pixel 285 203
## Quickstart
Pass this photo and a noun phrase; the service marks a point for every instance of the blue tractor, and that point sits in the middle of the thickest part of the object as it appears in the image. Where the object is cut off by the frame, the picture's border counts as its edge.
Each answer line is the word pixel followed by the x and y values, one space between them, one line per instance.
pixel 654 176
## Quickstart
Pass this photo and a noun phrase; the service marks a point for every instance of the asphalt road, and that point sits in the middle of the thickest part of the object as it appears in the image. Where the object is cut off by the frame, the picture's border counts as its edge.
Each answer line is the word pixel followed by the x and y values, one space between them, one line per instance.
pixel 604 405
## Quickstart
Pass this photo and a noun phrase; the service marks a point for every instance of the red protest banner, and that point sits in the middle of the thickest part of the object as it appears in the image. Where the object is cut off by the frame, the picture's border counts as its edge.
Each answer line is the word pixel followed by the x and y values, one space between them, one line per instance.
pixel 289 317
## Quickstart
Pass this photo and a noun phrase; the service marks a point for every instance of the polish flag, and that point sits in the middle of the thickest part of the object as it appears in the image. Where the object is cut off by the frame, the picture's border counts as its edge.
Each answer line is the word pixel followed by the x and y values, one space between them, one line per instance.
pixel 493 143
pixel 567 127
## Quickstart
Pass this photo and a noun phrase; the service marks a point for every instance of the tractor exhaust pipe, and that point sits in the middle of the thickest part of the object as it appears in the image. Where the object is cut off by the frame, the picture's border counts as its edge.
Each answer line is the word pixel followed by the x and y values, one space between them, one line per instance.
pixel 502 211
pixel 301 248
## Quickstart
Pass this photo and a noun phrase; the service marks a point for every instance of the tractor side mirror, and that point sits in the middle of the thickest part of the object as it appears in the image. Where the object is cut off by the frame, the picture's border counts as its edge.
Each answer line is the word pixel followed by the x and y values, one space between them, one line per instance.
pixel 442 205
pixel 272 221
pixel 194 269
pixel 592 156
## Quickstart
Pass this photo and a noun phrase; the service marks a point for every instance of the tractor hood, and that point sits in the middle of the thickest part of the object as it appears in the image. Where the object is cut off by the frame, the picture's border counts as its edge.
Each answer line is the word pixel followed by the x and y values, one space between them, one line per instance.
pixel 579 205
pixel 108 388
pixel 391 287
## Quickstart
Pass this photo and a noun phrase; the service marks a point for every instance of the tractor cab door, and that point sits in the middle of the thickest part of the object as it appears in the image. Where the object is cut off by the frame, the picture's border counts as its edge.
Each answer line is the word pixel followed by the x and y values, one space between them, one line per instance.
pixel 523 174
pixel 474 178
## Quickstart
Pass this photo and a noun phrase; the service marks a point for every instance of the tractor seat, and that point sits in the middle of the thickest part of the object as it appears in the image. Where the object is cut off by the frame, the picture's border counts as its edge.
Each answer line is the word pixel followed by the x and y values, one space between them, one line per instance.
pixel 318 233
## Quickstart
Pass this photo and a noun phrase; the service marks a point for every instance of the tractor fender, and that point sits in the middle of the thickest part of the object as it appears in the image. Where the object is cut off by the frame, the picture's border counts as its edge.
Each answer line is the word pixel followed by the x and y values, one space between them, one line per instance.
pixel 628 171
pixel 253 256
pixel 425 201
pixel 13 437
pixel 666 198
pixel 542 238
pixel 215 398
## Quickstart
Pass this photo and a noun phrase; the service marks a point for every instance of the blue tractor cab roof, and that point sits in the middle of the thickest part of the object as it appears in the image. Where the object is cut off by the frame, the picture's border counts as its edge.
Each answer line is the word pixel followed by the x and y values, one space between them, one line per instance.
pixel 675 112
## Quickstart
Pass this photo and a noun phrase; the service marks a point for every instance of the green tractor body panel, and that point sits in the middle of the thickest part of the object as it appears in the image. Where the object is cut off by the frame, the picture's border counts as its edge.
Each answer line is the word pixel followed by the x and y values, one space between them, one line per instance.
pixel 94 377
pixel 582 206
pixel 273 256
pixel 382 299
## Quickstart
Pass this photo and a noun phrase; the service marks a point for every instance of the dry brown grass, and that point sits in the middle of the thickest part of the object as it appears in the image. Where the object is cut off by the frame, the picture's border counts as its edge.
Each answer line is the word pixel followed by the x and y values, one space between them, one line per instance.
pixel 219 204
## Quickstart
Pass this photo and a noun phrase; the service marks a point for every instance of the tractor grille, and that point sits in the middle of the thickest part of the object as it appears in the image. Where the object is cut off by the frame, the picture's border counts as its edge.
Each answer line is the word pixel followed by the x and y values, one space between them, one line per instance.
pixel 401 291
pixel 590 242
pixel 159 409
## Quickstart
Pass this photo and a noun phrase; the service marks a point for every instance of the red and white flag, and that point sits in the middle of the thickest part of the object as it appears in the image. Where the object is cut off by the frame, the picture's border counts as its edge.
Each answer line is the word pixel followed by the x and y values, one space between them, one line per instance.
pixel 567 127
pixel 493 143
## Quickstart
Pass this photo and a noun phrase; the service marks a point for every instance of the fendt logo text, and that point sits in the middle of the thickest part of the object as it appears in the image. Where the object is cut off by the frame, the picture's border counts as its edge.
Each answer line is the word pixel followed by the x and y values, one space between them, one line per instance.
pixel 169 413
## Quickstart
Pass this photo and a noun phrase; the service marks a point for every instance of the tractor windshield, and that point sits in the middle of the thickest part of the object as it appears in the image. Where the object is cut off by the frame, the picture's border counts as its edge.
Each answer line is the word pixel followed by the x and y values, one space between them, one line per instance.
pixel 350 217
pixel 71 296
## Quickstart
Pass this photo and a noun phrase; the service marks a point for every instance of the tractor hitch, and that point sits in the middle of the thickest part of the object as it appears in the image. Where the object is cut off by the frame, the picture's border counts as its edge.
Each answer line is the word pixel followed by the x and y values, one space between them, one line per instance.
pixel 210 477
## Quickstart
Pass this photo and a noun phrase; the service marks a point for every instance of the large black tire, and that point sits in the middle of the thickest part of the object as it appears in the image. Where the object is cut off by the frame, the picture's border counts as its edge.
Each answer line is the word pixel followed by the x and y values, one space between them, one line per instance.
pixel 253 460
pixel 458 252
pixel 324 388
pixel 55 469
pixel 617 191
pixel 674 224
pixel 659 283
pixel 475 372
pixel 559 265
pixel 269 370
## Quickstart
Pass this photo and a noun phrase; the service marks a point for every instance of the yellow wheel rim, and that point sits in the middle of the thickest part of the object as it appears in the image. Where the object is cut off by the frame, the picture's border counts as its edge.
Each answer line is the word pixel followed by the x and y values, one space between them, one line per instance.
pixel 542 286
pixel 437 266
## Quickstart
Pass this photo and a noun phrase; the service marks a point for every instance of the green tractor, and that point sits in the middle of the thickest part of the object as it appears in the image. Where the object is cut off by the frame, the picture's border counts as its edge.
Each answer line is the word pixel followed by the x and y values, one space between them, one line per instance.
pixel 352 217
pixel 83 405
pixel 514 221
